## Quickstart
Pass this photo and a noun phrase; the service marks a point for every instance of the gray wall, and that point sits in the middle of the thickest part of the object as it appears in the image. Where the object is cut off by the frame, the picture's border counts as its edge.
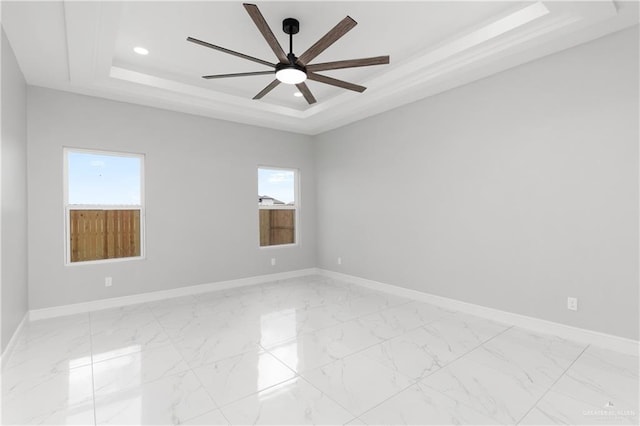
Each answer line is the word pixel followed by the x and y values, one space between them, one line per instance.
pixel 13 226
pixel 201 189
pixel 513 192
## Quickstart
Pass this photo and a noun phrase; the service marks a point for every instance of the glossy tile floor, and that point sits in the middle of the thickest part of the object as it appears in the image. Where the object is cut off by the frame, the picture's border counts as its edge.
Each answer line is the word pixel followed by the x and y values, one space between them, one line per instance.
pixel 307 351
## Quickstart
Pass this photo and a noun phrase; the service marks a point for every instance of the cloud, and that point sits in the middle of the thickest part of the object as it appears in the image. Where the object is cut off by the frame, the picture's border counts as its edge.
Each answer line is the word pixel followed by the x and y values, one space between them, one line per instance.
pixel 97 163
pixel 279 177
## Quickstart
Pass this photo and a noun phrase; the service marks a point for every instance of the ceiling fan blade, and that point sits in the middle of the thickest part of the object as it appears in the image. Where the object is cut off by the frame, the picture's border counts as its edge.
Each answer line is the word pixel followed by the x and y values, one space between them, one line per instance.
pixel 350 63
pixel 327 40
pixel 238 74
pixel 230 52
pixel 335 82
pixel 264 28
pixel 304 89
pixel 267 89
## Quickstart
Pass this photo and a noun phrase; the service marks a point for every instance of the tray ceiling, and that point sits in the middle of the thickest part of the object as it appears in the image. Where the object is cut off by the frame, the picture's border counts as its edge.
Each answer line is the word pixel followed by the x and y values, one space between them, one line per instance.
pixel 87 47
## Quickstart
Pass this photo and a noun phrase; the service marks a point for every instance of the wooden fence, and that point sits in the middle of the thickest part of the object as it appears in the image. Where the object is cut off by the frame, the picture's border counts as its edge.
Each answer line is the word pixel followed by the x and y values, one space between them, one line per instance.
pixel 104 234
pixel 277 227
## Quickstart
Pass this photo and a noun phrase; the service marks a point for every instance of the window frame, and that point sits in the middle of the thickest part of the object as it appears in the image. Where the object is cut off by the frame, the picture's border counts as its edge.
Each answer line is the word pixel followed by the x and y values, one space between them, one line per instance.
pixel 296 207
pixel 68 207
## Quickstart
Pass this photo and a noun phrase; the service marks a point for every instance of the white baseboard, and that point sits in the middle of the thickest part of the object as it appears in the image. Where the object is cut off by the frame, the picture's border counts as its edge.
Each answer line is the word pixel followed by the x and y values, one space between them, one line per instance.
pixel 596 338
pixel 115 302
pixel 6 354
pixel 608 341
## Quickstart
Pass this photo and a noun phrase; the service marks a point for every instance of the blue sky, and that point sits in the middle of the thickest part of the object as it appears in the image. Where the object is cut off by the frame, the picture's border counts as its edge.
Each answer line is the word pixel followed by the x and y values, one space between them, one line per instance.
pixel 277 183
pixel 115 180
pixel 103 179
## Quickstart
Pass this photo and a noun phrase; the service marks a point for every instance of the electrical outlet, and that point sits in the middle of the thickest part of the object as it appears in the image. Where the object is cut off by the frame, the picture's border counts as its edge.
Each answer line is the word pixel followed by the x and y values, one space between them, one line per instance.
pixel 108 281
pixel 572 303
pixel 273 261
pixel 339 261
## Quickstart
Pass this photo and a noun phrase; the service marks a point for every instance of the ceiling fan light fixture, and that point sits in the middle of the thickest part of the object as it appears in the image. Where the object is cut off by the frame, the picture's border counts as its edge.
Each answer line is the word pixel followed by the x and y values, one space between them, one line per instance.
pixel 290 74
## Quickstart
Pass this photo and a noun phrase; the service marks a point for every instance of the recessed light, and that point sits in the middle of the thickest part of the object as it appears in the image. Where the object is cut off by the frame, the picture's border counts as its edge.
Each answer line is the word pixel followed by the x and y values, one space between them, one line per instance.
pixel 297 95
pixel 141 50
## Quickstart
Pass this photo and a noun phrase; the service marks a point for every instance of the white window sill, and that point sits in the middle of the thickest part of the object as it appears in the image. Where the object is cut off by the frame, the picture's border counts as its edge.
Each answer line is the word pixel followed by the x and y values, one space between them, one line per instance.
pixel 102 261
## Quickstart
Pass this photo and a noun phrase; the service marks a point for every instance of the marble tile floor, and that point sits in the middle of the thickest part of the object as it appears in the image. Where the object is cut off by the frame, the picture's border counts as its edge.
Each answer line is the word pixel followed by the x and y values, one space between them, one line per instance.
pixel 309 350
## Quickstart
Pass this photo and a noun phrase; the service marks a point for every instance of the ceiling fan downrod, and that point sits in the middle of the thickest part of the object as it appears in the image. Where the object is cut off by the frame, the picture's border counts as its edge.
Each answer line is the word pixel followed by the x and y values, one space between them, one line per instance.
pixel 291 26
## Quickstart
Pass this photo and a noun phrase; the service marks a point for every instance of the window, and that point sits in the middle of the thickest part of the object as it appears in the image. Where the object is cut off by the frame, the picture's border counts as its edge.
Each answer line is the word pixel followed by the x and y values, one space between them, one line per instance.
pixel 104 205
pixel 277 206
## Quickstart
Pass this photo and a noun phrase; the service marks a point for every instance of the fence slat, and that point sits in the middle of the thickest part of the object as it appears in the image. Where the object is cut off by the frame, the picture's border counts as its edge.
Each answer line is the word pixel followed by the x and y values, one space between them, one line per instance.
pixel 265 227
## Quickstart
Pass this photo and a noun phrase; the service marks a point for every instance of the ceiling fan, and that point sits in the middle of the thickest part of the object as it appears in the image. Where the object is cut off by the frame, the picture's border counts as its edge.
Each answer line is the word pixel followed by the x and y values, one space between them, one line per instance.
pixel 292 69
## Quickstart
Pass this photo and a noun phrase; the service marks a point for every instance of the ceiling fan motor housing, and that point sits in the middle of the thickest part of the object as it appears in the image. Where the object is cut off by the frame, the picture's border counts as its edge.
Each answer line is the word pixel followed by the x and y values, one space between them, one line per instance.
pixel 290 66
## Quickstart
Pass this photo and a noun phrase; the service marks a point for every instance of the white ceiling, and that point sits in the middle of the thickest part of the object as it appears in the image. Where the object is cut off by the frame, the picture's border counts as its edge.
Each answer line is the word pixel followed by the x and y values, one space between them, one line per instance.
pixel 87 47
